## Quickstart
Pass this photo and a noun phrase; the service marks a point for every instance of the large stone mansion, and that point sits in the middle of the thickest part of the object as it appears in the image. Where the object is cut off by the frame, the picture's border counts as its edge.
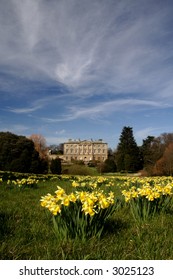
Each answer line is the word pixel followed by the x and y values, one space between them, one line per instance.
pixel 86 150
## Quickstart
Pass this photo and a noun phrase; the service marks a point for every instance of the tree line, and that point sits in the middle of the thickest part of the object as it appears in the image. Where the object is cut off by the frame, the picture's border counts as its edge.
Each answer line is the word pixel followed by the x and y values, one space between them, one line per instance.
pixel 30 155
pixel 153 157
pixel 25 155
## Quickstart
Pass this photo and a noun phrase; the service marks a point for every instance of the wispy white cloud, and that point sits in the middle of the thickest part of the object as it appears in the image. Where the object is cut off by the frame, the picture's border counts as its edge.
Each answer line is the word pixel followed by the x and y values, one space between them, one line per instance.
pixel 60 132
pixel 15 128
pixel 74 60
pixel 101 109
pixel 143 133
pixel 37 104
pixel 56 140
pixel 111 47
pixel 25 110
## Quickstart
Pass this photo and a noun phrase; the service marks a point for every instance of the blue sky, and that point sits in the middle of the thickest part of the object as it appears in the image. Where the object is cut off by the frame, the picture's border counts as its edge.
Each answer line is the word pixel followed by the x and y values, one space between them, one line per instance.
pixel 85 69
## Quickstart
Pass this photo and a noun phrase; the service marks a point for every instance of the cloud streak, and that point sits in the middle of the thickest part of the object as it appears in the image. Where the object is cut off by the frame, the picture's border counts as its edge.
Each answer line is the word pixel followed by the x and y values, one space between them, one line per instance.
pixel 100 110
pixel 23 110
pixel 70 61
pixel 114 47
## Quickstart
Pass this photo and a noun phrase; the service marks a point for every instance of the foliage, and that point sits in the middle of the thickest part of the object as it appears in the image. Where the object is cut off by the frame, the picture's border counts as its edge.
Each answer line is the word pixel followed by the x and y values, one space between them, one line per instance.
pixel 80 214
pixel 151 151
pixel 23 183
pixel 157 154
pixel 94 182
pixel 26 231
pixel 109 165
pixel 55 166
pixel 78 169
pixel 127 154
pixel 17 153
pixel 39 144
pixel 56 149
pixel 164 166
pixel 154 156
pixel 149 199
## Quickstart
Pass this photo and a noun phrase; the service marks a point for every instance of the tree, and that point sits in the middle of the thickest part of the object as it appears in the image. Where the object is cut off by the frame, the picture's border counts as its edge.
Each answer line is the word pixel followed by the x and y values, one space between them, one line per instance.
pixel 127 154
pixel 164 166
pixel 153 152
pixel 165 139
pixel 40 144
pixel 56 149
pixel 55 166
pixel 109 165
pixel 17 153
pixel 147 151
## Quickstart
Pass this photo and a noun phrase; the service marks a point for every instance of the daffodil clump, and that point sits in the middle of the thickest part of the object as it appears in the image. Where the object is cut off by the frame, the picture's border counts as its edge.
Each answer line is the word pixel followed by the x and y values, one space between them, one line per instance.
pixel 149 192
pixel 79 214
pixel 129 182
pixel 91 202
pixel 24 182
pixel 154 196
pixel 93 182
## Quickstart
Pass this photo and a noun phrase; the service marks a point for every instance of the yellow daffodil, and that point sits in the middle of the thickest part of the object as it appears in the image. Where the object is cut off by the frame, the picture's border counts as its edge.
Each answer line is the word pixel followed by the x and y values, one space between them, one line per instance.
pixel 72 197
pixel 60 192
pixel 65 201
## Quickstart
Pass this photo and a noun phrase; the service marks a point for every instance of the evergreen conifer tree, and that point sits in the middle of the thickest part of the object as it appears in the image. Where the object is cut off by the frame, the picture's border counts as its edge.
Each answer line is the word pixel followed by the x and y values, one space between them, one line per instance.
pixel 127 154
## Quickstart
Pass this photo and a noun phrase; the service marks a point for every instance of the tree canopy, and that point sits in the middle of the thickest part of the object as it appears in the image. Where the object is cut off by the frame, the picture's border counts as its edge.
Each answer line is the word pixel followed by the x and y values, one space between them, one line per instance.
pixel 55 166
pixel 17 153
pixel 127 154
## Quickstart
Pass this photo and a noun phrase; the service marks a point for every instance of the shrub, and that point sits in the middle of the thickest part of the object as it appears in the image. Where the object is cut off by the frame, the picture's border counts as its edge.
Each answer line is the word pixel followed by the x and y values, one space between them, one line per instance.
pixel 76 169
pixel 55 166
pixel 109 166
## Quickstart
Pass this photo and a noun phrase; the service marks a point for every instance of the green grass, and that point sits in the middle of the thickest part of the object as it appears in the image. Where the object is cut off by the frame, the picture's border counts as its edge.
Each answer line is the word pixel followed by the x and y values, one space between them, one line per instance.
pixel 26 231
pixel 77 169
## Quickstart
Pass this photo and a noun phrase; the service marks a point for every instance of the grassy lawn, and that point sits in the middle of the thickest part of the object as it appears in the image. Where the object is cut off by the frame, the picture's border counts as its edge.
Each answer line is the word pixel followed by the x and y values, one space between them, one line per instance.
pixel 26 230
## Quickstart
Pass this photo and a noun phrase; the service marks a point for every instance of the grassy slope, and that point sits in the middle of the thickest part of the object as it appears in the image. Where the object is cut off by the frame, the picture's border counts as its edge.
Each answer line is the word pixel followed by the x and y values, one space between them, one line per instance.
pixel 26 232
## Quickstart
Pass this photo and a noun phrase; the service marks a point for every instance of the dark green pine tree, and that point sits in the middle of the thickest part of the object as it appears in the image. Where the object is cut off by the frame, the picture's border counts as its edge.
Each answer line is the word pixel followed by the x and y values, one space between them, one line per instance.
pixel 127 154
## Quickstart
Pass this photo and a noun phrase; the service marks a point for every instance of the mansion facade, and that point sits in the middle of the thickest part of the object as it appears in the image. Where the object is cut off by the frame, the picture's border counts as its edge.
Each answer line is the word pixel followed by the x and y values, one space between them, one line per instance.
pixel 86 150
